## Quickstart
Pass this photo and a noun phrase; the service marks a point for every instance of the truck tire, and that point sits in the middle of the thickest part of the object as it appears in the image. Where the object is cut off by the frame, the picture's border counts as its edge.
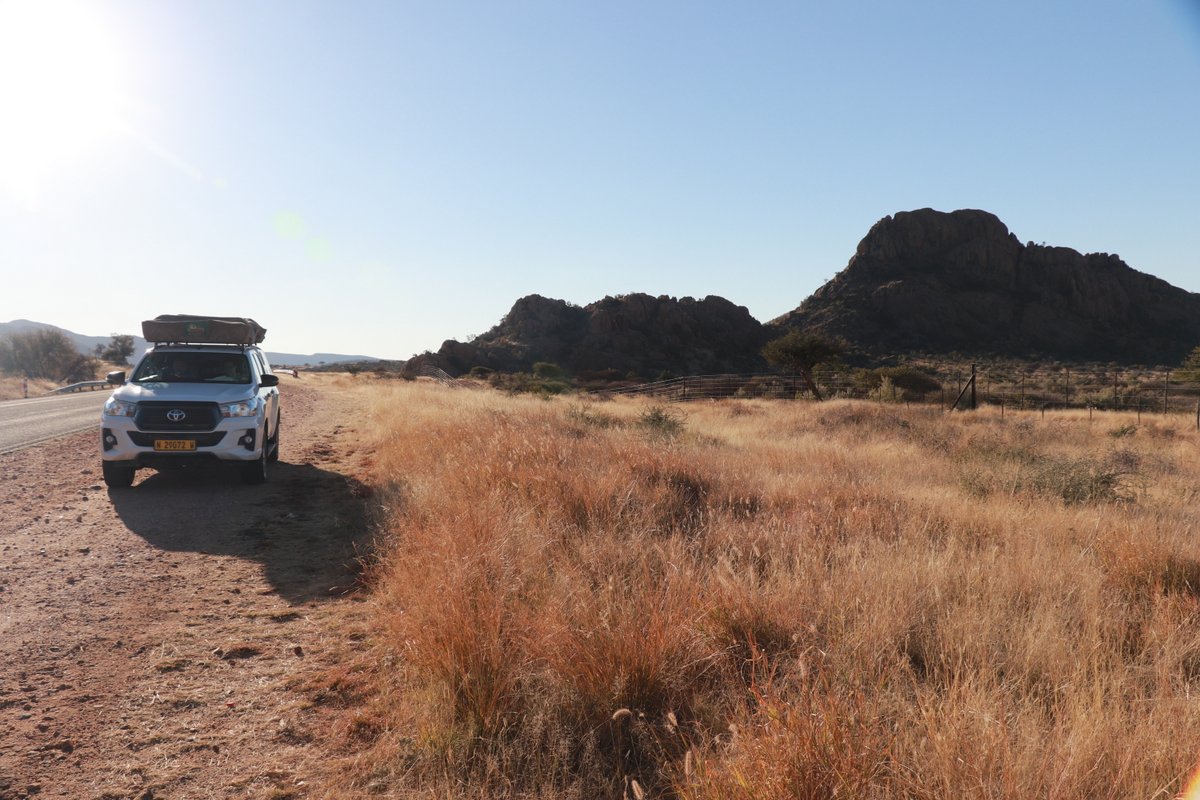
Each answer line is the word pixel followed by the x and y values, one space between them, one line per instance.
pixel 274 456
pixel 255 471
pixel 117 475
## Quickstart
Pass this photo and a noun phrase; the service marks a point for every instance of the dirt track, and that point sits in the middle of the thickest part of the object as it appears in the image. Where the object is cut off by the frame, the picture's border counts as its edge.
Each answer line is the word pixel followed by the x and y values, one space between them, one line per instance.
pixel 152 639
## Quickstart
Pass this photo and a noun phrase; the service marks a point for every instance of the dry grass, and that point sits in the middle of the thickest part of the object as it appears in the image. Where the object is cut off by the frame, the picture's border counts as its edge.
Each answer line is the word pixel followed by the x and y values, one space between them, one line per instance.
pixel 759 599
pixel 11 388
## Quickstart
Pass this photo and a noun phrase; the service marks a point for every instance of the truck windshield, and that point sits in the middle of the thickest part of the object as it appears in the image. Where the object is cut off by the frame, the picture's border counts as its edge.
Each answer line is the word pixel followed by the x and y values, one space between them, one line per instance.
pixel 193 368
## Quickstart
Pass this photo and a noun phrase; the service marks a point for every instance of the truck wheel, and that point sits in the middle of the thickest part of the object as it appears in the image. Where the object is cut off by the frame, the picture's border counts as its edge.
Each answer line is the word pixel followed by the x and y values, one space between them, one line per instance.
pixel 117 475
pixel 256 471
pixel 275 441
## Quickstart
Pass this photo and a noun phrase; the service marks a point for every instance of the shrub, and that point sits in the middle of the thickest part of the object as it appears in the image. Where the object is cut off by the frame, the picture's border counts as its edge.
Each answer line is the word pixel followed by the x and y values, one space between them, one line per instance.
pixel 912 381
pixel 525 383
pixel 663 420
pixel 544 370
pixel 587 415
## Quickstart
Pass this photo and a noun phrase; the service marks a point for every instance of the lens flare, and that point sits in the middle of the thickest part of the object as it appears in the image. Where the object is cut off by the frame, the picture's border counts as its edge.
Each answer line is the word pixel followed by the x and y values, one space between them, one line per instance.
pixel 1192 790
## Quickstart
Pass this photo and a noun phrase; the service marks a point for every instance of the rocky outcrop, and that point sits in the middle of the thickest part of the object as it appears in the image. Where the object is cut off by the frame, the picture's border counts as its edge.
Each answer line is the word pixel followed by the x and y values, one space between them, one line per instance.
pixel 634 333
pixel 960 282
pixel 920 282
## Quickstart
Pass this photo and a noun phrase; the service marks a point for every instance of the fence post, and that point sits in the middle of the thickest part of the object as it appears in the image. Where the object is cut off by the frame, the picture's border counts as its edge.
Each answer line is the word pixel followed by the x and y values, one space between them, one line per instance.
pixel 1166 388
pixel 973 405
pixel 1067 390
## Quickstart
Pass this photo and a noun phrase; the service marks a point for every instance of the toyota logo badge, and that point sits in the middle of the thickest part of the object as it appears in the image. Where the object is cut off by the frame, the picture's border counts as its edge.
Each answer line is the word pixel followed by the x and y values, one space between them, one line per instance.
pixel 176 415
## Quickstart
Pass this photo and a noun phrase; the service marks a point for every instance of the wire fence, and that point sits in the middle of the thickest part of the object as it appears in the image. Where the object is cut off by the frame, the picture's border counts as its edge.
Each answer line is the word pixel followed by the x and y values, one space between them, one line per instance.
pixel 436 374
pixel 1034 387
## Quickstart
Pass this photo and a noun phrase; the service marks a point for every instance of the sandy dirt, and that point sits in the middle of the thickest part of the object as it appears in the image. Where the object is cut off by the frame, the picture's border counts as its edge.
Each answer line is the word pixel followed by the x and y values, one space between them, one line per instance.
pixel 156 642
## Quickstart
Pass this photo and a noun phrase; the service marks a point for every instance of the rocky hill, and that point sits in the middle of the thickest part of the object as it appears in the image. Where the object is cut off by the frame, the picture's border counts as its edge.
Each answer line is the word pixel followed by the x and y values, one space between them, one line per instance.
pixel 939 282
pixel 921 281
pixel 631 333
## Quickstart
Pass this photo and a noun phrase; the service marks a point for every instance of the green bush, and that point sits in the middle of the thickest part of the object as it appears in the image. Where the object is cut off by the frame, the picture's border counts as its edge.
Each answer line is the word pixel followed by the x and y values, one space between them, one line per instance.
pixel 524 382
pixel 544 370
pixel 913 382
pixel 586 414
pixel 662 420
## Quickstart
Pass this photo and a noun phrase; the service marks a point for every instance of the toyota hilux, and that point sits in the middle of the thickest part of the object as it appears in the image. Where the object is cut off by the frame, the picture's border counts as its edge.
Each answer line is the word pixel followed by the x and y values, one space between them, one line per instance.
pixel 191 399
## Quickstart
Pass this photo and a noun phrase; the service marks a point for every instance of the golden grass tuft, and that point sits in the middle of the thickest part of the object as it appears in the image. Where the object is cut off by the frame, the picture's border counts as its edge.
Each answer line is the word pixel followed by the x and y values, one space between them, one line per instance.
pixel 778 600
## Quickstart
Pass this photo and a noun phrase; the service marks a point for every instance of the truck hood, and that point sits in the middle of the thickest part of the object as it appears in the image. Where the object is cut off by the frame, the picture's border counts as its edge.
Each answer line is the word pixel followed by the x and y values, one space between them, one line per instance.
pixel 184 392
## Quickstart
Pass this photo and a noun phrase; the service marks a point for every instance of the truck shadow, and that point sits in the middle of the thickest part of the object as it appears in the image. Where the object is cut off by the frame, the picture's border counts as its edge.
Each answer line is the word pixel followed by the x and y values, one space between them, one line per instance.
pixel 306 526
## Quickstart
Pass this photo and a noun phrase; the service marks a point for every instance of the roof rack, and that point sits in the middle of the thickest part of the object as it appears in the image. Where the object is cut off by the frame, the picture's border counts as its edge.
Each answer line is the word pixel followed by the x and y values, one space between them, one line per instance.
pixel 194 329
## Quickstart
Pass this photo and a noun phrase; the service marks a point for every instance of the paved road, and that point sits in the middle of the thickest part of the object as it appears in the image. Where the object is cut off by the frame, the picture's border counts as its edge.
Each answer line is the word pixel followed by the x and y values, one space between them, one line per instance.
pixel 26 422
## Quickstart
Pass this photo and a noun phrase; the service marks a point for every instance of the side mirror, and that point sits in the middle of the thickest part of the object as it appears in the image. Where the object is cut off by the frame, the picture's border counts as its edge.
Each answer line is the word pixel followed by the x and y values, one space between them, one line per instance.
pixel 269 380
pixel 116 378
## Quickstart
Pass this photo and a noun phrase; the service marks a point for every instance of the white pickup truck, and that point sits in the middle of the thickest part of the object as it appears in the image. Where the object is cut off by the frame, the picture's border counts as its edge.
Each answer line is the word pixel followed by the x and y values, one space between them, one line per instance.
pixel 203 392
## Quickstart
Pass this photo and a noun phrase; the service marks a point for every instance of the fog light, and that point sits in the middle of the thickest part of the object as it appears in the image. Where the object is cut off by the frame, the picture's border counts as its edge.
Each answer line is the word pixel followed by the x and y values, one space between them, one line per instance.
pixel 109 440
pixel 247 440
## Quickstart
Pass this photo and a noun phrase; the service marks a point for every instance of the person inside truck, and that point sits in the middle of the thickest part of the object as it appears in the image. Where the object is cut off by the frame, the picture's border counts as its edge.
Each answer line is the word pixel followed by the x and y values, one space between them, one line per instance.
pixel 181 369
pixel 233 370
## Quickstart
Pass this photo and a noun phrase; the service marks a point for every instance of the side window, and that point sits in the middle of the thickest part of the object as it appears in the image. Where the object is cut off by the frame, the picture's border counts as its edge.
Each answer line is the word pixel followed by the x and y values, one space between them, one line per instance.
pixel 263 367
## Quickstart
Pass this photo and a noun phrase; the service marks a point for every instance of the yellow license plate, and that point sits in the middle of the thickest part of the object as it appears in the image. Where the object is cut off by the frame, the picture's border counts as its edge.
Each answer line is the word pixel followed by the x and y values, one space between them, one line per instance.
pixel 174 444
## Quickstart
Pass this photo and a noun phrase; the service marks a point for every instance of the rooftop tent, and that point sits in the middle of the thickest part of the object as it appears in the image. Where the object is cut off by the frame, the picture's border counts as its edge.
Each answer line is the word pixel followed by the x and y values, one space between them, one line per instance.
pixel 191 329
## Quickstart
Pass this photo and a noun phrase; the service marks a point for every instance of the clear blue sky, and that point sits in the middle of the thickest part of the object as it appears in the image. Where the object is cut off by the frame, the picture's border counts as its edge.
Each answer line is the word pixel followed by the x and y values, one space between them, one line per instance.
pixel 376 177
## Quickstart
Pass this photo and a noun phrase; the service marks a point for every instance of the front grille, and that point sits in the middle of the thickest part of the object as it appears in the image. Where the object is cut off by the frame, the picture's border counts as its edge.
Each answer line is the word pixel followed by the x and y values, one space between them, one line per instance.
pixel 201 439
pixel 157 416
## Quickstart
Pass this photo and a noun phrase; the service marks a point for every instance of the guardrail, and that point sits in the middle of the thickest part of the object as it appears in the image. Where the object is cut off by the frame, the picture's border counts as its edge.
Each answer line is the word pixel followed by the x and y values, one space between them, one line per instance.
pixel 79 387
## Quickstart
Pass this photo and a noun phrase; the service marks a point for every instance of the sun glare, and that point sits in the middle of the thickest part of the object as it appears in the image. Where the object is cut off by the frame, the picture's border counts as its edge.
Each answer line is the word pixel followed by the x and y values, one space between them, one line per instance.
pixel 59 91
pixel 1192 790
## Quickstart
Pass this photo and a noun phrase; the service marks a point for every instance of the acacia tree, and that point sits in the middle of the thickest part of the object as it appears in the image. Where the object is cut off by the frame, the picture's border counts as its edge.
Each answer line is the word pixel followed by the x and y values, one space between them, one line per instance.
pixel 799 351
pixel 118 350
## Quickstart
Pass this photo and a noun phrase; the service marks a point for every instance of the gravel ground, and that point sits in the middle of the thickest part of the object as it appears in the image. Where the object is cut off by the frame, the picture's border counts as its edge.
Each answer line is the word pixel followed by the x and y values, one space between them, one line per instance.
pixel 154 641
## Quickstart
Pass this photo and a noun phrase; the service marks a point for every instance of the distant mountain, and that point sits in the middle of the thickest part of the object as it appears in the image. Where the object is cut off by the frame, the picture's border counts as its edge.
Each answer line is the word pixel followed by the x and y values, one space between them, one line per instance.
pixel 87 345
pixel 960 282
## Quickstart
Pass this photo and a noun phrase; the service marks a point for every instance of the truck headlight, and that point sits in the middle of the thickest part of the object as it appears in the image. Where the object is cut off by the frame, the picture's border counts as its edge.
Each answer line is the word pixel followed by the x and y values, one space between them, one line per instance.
pixel 243 408
pixel 119 408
